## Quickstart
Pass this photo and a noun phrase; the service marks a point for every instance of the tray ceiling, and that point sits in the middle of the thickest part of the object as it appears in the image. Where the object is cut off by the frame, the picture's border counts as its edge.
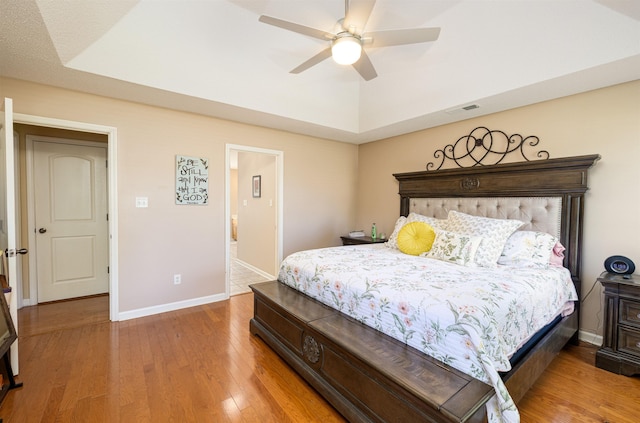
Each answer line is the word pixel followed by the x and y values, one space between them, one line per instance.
pixel 215 58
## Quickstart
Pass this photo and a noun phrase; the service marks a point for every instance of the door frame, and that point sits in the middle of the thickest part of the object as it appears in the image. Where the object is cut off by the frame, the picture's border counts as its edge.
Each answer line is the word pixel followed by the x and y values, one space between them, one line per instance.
pixel 112 189
pixel 11 217
pixel 279 156
pixel 31 212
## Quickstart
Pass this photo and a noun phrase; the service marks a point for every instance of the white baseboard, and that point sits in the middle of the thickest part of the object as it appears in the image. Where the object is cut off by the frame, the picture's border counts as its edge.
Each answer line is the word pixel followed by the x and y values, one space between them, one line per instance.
pixel 163 308
pixel 255 269
pixel 27 302
pixel 590 337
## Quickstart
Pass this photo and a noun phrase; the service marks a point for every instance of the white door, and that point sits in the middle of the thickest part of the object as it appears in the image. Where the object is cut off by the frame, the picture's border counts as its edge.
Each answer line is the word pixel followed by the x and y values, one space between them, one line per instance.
pixel 8 215
pixel 70 196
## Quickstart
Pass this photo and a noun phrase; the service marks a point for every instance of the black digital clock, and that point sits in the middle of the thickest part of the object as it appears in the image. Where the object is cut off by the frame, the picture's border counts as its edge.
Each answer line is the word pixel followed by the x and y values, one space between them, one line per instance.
pixel 620 265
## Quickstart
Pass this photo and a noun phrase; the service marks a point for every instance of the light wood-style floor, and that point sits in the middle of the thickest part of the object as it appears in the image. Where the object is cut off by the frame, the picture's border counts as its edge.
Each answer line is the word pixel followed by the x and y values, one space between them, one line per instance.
pixel 202 365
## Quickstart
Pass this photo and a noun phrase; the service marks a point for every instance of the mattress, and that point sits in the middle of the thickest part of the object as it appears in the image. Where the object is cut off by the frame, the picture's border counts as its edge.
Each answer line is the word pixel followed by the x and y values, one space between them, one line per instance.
pixel 473 319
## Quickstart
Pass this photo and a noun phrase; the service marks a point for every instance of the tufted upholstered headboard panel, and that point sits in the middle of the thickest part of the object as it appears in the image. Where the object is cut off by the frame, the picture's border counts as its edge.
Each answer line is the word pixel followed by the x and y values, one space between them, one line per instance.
pixel 542 214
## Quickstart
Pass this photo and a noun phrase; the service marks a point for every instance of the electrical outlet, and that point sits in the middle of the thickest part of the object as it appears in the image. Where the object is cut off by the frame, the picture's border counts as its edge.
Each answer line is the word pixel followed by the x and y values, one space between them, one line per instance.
pixel 177 279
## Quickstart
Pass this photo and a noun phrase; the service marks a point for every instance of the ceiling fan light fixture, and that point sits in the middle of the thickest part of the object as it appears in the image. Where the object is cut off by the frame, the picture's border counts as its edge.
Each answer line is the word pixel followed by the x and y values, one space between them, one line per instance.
pixel 346 49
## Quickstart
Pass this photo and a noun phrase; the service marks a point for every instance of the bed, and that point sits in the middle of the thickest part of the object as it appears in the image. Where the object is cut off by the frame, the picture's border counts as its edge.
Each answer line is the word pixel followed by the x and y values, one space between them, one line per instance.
pixel 372 376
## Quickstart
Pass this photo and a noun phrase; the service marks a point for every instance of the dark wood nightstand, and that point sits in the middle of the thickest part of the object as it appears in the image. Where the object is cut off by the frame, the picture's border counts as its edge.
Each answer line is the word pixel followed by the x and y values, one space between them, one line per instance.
pixel 620 351
pixel 348 240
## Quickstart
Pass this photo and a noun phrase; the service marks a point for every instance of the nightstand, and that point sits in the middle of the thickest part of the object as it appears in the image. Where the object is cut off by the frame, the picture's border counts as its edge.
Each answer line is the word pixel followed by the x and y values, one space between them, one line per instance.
pixel 620 351
pixel 348 240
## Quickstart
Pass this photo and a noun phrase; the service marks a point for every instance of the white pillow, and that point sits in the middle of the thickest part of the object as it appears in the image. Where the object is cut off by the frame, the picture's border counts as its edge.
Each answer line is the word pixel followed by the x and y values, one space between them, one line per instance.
pixel 528 249
pixel 454 248
pixel 392 242
pixel 494 233
pixel 431 221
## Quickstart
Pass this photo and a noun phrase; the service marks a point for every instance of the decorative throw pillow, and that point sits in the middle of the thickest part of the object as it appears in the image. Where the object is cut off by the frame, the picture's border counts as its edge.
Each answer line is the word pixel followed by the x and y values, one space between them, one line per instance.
pixel 392 242
pixel 415 238
pixel 494 233
pixel 455 248
pixel 557 255
pixel 528 249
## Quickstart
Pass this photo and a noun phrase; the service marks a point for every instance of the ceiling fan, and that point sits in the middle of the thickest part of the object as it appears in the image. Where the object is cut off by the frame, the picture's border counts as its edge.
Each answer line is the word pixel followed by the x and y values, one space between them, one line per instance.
pixel 347 41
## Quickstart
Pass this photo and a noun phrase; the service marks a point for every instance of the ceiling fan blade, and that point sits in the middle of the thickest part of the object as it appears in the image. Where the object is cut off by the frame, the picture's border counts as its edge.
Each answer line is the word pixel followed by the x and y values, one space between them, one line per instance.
pixel 324 54
pixel 300 29
pixel 401 36
pixel 365 67
pixel 357 14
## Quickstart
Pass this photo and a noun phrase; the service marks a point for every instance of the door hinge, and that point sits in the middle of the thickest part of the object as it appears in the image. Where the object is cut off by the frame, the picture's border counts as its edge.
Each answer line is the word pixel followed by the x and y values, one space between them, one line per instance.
pixel 107 269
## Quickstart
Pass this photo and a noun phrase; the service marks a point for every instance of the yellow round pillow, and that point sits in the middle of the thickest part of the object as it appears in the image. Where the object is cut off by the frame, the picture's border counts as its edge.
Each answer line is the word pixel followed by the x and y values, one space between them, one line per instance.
pixel 416 238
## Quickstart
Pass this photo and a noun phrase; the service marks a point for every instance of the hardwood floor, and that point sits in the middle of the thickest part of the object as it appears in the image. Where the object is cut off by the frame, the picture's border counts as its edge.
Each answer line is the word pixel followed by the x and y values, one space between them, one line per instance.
pixel 202 365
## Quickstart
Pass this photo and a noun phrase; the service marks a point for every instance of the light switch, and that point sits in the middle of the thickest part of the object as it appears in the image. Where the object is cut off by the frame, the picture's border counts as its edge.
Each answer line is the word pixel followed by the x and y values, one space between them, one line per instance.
pixel 142 202
pixel 244 202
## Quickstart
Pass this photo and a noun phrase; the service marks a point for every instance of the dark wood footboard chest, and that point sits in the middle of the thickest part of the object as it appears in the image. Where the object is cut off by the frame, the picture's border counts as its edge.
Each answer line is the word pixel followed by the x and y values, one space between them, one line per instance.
pixel 366 375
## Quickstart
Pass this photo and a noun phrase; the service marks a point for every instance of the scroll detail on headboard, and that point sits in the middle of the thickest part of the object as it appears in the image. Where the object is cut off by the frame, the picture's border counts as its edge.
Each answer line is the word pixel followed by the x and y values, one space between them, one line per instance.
pixel 484 147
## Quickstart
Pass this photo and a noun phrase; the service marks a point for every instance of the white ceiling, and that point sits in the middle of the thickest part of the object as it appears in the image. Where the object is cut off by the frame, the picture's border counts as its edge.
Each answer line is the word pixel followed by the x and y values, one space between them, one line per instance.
pixel 213 57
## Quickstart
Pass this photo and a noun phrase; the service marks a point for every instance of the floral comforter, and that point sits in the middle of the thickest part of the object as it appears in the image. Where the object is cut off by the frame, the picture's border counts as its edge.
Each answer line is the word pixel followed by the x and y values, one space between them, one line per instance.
pixel 470 318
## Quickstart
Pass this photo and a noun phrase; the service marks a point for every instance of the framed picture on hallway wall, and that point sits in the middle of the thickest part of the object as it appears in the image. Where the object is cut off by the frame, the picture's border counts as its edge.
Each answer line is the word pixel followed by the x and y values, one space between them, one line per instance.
pixel 257 189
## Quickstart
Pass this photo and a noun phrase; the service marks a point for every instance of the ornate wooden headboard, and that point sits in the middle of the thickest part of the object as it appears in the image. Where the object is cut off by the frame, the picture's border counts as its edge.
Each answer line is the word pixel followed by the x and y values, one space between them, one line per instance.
pixel 564 177
pixel 480 173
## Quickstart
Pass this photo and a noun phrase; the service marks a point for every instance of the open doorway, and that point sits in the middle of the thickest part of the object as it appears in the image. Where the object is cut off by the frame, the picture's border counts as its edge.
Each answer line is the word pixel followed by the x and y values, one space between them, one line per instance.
pixel 36 125
pixel 253 216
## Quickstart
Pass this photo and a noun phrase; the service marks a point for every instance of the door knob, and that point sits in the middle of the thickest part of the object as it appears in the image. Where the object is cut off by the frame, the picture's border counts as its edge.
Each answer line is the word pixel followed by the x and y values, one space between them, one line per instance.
pixel 12 252
pixel 42 230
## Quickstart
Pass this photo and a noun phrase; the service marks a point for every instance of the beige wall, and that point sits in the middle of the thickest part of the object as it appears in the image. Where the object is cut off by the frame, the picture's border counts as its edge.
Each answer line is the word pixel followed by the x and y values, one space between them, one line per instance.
pixel 233 191
pixel 605 121
pixel 163 239
pixel 257 216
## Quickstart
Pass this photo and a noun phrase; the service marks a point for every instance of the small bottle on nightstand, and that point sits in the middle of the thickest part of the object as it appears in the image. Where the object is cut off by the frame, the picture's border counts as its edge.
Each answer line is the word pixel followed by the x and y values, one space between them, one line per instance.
pixel 374 231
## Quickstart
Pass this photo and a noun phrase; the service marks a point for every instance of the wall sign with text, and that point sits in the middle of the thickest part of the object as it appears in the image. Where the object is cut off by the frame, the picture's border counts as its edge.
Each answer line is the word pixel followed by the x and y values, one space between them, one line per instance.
pixel 192 180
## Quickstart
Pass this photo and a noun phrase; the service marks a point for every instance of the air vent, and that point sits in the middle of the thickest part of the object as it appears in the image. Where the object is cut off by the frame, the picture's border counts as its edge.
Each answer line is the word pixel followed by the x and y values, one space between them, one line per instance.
pixel 462 109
